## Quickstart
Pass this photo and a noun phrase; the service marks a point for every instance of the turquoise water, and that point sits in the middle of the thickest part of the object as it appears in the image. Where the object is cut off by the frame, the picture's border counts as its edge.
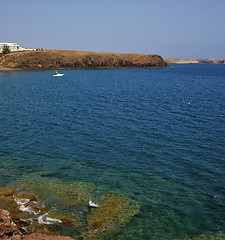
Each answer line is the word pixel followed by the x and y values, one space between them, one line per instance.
pixel 156 136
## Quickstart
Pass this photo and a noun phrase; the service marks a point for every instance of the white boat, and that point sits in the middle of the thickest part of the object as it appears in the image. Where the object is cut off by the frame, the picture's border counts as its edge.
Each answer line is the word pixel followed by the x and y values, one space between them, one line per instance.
pixel 58 74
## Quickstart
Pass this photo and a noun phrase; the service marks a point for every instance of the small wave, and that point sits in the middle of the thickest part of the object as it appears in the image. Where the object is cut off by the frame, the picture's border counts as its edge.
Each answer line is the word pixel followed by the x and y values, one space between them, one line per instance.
pixel 24 205
pixel 92 204
pixel 44 219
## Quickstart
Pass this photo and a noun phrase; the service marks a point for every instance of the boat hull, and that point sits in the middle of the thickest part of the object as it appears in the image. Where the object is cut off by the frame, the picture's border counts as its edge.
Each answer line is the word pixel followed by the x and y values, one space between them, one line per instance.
pixel 58 75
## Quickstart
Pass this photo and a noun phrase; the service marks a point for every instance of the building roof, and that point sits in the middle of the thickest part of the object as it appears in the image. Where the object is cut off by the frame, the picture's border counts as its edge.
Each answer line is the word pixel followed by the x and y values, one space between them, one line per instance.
pixel 5 43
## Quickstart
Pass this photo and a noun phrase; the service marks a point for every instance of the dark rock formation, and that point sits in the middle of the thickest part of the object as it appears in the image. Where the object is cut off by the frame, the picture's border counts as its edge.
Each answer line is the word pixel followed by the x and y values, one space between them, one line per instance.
pixel 55 59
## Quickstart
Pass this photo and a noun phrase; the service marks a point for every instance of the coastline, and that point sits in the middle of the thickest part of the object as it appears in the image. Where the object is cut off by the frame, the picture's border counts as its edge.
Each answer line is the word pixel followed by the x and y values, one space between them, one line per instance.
pixel 53 69
pixel 187 60
pixel 65 59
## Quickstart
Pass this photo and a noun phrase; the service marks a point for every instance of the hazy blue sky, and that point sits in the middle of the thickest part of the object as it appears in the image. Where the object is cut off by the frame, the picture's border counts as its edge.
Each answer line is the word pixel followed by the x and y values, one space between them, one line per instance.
pixel 171 28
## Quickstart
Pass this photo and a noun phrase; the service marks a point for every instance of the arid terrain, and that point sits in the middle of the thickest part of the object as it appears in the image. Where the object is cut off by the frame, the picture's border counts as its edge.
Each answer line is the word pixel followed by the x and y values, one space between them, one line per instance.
pixel 64 59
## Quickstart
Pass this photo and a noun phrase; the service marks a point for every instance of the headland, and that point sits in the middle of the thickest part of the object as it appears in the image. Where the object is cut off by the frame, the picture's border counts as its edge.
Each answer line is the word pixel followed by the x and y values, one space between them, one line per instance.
pixel 65 59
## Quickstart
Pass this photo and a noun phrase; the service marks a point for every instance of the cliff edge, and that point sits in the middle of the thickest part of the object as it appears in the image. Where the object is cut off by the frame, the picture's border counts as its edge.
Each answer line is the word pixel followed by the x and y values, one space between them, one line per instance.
pixel 65 59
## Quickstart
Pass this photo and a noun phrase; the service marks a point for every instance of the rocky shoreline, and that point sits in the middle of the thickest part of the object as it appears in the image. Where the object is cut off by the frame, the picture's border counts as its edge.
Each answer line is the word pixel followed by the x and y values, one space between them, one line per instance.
pixel 15 224
pixel 17 218
pixel 9 230
pixel 23 215
pixel 64 59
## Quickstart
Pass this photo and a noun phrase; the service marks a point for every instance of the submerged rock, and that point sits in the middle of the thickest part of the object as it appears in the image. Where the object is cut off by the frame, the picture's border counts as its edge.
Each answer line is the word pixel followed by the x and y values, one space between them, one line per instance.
pixel 25 210
pixel 6 191
pixel 72 208
pixel 67 201
pixel 114 212
pixel 208 236
pixel 9 230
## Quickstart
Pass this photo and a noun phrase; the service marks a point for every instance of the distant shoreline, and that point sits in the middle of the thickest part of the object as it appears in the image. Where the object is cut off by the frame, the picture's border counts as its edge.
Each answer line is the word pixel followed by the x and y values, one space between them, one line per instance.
pixel 186 60
pixel 50 59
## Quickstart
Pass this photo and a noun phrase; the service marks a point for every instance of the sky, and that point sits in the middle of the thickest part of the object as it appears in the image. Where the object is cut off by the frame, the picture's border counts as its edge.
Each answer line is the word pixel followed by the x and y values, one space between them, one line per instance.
pixel 170 28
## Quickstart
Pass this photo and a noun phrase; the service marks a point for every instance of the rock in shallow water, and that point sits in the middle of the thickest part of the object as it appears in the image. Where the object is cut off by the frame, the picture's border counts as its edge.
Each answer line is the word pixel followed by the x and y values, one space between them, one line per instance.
pixel 25 210
pixel 114 212
pixel 9 230
pixel 71 208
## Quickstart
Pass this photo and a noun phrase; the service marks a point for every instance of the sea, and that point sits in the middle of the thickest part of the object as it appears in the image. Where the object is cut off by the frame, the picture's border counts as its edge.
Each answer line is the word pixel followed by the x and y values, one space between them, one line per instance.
pixel 153 136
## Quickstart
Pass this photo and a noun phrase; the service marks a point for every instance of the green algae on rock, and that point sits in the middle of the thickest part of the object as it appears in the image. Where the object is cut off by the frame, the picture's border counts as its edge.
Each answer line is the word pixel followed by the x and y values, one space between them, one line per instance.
pixel 68 201
pixel 25 210
pixel 208 236
pixel 9 230
pixel 114 212
pixel 71 204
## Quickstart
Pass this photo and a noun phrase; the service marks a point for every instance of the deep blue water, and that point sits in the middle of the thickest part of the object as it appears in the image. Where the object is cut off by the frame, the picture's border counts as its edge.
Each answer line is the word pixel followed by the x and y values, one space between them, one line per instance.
pixel 155 135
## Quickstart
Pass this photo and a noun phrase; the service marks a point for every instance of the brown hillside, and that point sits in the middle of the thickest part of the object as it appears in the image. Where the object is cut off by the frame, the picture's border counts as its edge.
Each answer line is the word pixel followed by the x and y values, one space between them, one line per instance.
pixel 53 59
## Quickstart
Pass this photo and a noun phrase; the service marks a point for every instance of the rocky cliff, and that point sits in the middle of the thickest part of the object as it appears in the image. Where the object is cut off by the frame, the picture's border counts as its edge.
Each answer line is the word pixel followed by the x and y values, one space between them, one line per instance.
pixel 60 59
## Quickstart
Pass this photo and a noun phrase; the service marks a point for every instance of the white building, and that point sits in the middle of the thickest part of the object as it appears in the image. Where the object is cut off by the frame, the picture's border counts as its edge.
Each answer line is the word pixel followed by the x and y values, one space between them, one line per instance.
pixel 14 47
